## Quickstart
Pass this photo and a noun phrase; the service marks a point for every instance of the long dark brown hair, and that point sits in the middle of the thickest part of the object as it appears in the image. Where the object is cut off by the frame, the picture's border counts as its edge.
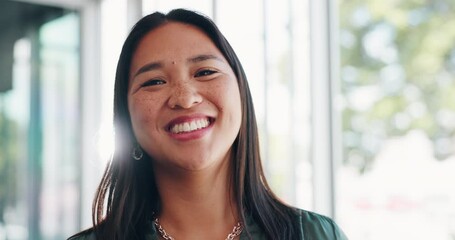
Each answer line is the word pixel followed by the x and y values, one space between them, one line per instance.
pixel 128 186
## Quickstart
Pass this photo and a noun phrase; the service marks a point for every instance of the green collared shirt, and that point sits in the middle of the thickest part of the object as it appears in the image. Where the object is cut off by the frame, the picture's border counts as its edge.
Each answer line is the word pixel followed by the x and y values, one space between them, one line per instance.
pixel 313 227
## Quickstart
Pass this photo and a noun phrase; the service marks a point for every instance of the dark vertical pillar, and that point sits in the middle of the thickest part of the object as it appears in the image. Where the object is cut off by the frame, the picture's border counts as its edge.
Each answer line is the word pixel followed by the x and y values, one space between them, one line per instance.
pixel 34 166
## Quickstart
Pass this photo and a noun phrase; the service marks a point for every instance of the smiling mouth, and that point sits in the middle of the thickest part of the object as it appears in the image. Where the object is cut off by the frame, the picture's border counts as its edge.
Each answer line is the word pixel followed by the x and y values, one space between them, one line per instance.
pixel 190 126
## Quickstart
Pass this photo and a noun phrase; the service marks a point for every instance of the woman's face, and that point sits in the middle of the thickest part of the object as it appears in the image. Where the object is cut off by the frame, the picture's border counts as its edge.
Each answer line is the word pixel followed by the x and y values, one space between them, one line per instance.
pixel 183 98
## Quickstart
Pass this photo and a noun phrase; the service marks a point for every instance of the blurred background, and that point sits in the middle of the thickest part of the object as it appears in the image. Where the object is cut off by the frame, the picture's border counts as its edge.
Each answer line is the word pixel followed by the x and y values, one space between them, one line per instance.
pixel 355 101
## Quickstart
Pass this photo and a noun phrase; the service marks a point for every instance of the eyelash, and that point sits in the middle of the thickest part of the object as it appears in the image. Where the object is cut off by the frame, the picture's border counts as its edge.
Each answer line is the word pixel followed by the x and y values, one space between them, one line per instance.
pixel 205 72
pixel 153 82
pixel 201 73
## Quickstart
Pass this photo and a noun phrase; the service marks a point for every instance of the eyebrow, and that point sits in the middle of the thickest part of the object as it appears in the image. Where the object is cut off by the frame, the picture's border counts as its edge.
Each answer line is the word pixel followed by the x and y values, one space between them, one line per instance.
pixel 156 65
pixel 203 57
pixel 149 67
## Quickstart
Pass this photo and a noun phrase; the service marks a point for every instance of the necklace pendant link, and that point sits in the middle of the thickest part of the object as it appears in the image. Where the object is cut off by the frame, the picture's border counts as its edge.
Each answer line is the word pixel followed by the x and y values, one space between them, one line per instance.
pixel 236 231
pixel 161 230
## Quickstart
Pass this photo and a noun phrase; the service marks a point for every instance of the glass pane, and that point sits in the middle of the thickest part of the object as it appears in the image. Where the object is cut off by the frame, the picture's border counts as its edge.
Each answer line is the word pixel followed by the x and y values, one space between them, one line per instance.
pixel 272 46
pixel 398 82
pixel 113 33
pixel 39 122
pixel 14 121
pixel 60 126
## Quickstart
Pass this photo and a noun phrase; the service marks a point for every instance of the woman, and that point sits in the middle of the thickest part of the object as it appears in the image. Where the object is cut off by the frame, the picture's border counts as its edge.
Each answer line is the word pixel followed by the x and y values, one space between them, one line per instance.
pixel 187 163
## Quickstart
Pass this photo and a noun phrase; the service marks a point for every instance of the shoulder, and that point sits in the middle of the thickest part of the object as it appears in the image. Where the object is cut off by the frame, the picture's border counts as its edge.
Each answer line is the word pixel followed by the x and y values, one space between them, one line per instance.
pixel 84 235
pixel 317 226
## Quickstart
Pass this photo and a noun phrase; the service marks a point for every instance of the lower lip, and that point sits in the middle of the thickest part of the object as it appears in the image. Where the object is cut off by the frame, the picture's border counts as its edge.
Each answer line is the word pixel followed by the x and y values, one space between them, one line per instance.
pixel 193 135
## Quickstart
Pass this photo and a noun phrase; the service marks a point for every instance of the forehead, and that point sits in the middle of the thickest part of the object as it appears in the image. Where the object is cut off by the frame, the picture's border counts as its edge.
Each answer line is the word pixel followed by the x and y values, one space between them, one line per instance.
pixel 173 41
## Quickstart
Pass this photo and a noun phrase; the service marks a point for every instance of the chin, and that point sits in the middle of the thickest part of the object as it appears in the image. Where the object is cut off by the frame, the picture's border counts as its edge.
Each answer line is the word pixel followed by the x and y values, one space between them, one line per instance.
pixel 196 165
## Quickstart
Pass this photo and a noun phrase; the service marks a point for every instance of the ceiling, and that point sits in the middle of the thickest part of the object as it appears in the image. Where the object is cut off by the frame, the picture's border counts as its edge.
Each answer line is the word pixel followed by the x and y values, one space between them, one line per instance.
pixel 68 4
pixel 16 20
pixel 14 14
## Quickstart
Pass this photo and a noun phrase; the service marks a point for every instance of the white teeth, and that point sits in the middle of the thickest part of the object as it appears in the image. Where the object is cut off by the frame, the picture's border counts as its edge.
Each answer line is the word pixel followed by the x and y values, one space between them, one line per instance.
pixel 193 125
pixel 186 127
pixel 190 126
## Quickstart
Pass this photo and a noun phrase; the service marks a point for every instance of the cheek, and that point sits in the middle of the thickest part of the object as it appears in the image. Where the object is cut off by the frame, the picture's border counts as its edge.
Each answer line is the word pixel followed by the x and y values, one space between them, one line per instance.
pixel 228 97
pixel 237 105
pixel 142 110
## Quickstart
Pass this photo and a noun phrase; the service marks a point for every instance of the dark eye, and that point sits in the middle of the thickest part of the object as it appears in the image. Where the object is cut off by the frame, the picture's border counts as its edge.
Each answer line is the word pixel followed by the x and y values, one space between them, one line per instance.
pixel 205 72
pixel 153 82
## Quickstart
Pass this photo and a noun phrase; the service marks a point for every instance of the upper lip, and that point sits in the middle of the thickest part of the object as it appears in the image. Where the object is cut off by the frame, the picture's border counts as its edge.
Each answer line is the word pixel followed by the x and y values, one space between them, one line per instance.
pixel 187 118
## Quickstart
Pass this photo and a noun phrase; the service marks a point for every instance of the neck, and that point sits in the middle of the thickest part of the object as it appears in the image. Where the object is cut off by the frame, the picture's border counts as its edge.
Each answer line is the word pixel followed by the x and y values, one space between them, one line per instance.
pixel 197 204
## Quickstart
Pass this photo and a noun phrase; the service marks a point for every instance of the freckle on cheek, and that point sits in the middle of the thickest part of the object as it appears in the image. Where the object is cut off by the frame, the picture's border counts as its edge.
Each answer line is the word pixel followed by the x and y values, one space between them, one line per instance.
pixel 145 109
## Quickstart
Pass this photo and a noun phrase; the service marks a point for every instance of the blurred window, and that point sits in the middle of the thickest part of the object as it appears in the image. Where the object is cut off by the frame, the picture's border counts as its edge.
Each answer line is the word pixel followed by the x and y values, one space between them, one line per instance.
pixel 398 87
pixel 39 122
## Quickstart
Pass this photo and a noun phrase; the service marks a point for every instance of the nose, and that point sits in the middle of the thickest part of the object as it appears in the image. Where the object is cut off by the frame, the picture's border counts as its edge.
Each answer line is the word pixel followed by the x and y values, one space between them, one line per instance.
pixel 184 95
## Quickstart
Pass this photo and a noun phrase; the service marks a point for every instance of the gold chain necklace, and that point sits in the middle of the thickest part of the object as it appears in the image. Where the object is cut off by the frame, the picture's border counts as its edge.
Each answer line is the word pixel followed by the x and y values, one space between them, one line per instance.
pixel 235 231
